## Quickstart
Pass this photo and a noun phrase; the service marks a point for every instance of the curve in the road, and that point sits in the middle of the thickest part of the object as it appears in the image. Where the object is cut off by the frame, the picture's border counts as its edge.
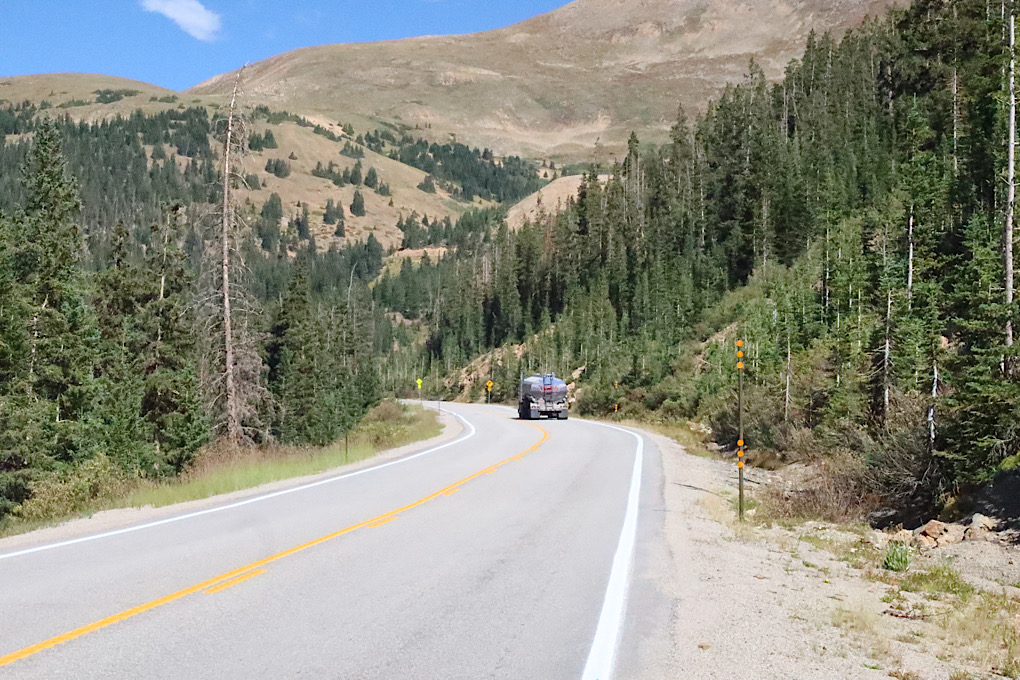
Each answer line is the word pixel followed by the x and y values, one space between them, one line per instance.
pixel 608 632
pixel 222 579
pixel 248 501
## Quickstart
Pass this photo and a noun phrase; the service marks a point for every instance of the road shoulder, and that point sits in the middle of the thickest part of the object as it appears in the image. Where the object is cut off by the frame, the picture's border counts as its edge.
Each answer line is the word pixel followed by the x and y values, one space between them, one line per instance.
pixel 810 600
pixel 742 607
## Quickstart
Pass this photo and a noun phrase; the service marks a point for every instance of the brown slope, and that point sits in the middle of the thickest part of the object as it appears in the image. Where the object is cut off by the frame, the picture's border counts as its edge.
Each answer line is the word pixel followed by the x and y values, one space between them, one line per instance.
pixel 300 188
pixel 61 88
pixel 553 85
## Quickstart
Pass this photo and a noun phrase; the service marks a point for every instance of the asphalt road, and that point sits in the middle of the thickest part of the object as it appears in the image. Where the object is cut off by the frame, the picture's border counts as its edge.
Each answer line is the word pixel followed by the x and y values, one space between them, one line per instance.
pixel 518 550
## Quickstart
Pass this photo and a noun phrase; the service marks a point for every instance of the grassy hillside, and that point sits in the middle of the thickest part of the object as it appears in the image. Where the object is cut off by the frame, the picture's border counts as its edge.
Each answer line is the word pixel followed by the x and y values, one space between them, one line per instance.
pixel 554 85
pixel 301 187
pixel 93 98
pixel 62 90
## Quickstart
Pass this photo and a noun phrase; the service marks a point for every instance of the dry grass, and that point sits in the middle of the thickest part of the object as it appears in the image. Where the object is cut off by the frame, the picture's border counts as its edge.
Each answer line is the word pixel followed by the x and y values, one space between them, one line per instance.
pixel 527 89
pixel 960 623
pixel 693 442
pixel 222 471
pixel 830 490
pixel 301 186
pixel 933 610
pixel 547 201
pixel 858 617
pixel 97 486
pixel 59 88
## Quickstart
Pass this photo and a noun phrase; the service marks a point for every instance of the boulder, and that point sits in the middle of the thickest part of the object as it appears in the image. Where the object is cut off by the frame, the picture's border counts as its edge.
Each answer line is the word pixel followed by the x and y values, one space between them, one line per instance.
pixel 924 541
pixel 979 528
pixel 904 536
pixel 972 534
pixel 979 521
pixel 933 529
pixel 954 533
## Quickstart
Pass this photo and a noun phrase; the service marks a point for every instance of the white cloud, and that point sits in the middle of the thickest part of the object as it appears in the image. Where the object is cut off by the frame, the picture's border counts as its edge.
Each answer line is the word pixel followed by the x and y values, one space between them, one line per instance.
pixel 193 18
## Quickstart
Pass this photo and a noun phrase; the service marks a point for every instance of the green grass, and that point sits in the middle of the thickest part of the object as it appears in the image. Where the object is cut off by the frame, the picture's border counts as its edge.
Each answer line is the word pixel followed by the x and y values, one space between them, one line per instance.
pixel 219 471
pixel 937 582
pixel 897 557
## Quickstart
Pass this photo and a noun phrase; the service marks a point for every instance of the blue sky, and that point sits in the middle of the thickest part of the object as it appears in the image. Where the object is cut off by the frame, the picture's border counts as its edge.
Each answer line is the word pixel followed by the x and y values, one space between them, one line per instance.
pixel 179 43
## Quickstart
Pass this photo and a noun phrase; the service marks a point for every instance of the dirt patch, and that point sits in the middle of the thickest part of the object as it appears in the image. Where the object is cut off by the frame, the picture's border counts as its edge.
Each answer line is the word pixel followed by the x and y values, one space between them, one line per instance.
pixel 812 600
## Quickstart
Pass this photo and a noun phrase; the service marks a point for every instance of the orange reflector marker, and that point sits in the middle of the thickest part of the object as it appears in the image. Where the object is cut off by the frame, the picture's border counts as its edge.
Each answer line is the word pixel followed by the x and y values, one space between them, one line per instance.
pixel 740 464
pixel 740 365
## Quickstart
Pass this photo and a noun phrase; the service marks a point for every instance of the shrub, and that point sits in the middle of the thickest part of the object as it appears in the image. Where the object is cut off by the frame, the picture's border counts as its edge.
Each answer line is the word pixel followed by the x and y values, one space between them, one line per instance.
pixel 74 491
pixel 897 557
pixel 111 96
pixel 833 492
pixel 428 185
pixel 278 167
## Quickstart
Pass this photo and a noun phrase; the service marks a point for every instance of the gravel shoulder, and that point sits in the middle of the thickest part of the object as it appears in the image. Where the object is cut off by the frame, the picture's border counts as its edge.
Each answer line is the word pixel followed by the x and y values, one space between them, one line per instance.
pixel 806 601
pixel 111 520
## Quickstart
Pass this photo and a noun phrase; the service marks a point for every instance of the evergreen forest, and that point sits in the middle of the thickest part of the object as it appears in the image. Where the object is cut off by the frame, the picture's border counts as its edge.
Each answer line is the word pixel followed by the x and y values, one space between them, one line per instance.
pixel 851 223
pixel 847 223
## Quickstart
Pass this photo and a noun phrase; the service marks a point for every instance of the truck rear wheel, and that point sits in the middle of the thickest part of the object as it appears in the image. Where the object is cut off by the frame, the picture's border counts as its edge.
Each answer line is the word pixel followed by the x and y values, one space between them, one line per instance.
pixel 562 415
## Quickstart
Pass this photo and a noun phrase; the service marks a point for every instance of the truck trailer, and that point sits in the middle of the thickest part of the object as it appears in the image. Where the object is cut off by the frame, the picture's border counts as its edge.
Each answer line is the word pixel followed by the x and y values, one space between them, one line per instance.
pixel 542 396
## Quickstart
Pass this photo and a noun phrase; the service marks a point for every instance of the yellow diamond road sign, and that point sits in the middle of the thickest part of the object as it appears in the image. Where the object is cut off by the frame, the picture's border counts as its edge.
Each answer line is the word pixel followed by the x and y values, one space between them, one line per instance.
pixel 419 383
pixel 488 385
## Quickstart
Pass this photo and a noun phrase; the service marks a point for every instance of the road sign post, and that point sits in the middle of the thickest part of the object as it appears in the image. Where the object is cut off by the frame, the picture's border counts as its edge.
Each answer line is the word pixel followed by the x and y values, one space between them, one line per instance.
pixel 740 427
pixel 488 392
pixel 419 391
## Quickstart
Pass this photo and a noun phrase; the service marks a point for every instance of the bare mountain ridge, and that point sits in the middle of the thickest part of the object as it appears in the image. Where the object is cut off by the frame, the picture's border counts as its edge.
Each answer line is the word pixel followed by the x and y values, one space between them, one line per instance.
pixel 556 84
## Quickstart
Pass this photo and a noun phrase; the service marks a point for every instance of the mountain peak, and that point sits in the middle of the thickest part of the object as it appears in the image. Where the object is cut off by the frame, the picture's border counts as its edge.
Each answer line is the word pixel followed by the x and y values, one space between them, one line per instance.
pixel 558 83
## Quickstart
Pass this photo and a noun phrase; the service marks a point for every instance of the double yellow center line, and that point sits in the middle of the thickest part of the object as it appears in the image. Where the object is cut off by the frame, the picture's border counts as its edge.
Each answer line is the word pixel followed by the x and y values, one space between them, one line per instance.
pixel 231 578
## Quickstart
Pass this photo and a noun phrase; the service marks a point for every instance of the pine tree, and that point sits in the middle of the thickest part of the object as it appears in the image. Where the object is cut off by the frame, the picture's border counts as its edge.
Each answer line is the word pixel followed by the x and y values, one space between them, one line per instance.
pixel 358 204
pixel 46 383
pixel 371 179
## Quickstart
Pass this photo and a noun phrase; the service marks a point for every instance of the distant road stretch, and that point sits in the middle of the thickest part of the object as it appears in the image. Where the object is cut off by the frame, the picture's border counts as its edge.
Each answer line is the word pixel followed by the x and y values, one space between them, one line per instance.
pixel 518 550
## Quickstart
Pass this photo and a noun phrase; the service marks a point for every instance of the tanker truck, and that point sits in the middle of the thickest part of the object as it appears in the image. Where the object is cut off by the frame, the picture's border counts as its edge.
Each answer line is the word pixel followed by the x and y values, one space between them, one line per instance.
pixel 542 395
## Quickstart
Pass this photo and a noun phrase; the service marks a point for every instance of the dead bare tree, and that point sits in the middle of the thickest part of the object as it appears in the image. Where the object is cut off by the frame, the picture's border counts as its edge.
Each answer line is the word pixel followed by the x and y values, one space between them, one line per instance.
pixel 233 371
pixel 1007 245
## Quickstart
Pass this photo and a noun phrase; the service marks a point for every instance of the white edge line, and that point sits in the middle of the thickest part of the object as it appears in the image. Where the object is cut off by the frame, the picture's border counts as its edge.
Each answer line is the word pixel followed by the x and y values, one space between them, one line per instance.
pixel 603 647
pixel 247 501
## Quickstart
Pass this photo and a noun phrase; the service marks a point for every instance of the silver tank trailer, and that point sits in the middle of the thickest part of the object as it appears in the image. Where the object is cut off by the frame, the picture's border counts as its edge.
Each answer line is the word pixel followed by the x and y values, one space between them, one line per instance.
pixel 542 395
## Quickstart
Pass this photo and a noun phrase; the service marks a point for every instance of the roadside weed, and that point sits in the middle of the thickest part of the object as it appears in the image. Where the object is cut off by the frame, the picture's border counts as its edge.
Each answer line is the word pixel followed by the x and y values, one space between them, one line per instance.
pixel 897 557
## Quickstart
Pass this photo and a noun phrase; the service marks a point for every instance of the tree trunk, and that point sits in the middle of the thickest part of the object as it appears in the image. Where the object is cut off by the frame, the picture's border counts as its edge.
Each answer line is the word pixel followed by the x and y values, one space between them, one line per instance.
pixel 1007 245
pixel 956 118
pixel 230 389
pixel 910 257
pixel 887 355
pixel 789 365
pixel 931 406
